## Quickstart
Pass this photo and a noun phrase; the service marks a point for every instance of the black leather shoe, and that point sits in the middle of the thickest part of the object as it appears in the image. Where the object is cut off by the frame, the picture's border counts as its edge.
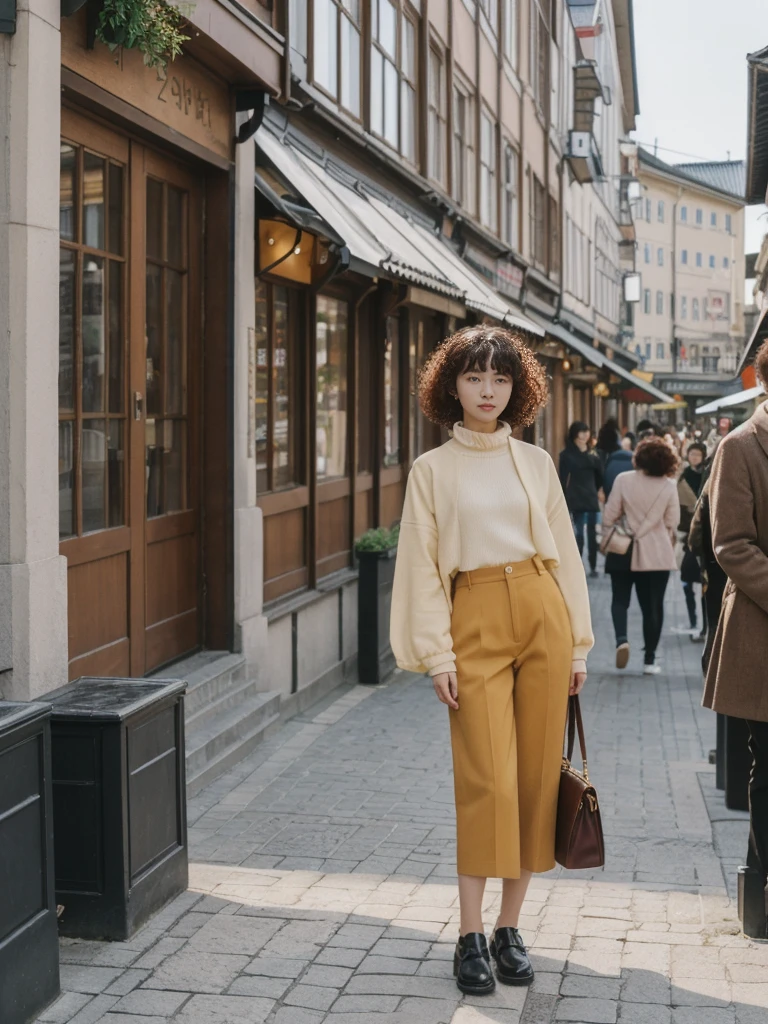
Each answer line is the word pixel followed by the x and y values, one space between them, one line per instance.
pixel 472 965
pixel 512 964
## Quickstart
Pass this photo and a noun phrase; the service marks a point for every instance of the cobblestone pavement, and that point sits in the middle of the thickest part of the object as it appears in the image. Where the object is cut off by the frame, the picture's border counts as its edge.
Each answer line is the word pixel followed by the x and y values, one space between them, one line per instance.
pixel 322 883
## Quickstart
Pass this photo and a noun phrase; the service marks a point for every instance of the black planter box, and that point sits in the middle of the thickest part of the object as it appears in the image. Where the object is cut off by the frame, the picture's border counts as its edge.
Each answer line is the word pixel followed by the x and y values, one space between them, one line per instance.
pixel 29 941
pixel 375 659
pixel 119 802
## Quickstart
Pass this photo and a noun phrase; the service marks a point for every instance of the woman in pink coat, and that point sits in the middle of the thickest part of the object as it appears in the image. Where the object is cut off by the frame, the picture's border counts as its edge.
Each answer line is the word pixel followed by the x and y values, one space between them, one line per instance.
pixel 646 503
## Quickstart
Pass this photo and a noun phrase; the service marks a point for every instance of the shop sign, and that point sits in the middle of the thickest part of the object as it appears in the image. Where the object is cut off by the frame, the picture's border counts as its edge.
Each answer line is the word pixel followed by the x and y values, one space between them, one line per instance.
pixel 484 265
pixel 509 278
pixel 182 96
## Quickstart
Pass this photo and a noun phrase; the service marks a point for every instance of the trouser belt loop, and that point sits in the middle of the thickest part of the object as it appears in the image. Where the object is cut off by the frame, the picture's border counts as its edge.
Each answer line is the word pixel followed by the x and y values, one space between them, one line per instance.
pixel 539 565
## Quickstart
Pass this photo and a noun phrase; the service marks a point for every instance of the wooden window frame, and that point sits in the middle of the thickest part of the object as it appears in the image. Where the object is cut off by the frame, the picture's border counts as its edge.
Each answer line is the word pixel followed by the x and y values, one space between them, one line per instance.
pixel 538 224
pixel 437 113
pixel 342 13
pixel 510 187
pixel 539 58
pixel 464 146
pixel 511 33
pixel 488 172
pixel 406 11
pixel 553 236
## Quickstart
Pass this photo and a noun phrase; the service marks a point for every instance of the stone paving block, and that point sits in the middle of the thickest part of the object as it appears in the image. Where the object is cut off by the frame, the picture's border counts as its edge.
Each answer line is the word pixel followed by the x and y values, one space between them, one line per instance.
pixel 589 986
pixel 233 934
pixel 82 978
pixel 408 948
pixel 207 1009
pixel 644 1013
pixel 339 956
pixel 189 924
pixel 357 936
pixel 300 940
pixel 127 982
pixel 64 1008
pixel 365 1004
pixel 196 971
pixel 587 1011
pixel 702 992
pixel 387 984
pixel 703 1015
pixel 258 985
pixel 94 1010
pixel 311 997
pixel 162 948
pixel 329 977
pixel 426 1011
pixel 274 967
pixel 148 1004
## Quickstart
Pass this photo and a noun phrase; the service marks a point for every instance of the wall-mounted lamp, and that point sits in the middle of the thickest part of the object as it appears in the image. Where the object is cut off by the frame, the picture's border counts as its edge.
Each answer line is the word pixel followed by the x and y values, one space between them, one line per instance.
pixel 566 365
pixel 286 252
pixel 601 390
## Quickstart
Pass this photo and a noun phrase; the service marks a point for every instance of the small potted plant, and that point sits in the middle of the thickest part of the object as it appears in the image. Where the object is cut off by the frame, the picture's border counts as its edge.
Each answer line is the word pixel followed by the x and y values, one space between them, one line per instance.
pixel 375 550
pixel 153 27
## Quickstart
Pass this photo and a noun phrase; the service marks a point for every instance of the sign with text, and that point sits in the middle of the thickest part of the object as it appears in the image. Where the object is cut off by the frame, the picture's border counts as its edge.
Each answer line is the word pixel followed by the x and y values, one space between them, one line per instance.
pixel 183 96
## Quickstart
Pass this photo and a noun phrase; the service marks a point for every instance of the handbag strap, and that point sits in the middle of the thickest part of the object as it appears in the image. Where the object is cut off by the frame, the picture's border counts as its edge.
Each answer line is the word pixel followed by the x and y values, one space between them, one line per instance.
pixel 575 723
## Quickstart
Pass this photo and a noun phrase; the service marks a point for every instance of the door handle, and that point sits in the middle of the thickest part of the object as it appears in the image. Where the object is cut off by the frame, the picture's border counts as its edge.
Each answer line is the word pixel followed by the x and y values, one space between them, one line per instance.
pixel 138 405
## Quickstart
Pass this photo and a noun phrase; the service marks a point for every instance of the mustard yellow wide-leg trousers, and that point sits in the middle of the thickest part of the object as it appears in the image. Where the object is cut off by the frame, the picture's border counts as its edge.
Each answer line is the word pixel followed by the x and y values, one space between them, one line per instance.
pixel 512 638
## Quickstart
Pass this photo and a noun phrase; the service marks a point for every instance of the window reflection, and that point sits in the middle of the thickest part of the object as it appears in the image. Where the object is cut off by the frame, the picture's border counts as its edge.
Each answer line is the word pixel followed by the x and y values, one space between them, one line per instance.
pixel 331 383
pixel 392 393
pixel 93 334
pixel 93 201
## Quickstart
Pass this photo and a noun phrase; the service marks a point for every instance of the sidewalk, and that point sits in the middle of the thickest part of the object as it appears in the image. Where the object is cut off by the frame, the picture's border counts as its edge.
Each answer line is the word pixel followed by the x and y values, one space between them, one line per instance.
pixel 322 882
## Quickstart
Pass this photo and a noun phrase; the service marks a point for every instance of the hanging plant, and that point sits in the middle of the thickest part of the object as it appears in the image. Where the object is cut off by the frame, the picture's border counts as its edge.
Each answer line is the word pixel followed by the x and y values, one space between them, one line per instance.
pixel 152 27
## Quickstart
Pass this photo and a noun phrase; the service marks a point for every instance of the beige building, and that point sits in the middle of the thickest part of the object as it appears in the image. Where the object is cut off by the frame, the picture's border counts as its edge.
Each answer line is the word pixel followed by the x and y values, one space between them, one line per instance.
pixel 689 328
pixel 215 304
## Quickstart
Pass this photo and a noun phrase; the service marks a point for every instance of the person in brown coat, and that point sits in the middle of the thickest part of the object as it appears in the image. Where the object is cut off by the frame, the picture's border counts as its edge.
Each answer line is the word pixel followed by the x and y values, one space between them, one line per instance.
pixel 737 675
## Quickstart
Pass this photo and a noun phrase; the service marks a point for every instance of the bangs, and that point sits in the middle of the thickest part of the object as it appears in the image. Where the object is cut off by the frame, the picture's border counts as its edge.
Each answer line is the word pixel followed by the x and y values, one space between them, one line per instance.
pixel 496 351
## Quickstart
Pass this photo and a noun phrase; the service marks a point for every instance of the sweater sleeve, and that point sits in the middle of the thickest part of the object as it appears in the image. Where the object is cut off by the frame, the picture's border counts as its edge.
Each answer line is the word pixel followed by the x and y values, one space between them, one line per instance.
pixel 420 619
pixel 569 575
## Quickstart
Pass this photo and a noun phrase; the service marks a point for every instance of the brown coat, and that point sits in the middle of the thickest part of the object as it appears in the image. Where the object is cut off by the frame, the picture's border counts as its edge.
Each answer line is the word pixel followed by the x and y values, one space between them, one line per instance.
pixel 737 677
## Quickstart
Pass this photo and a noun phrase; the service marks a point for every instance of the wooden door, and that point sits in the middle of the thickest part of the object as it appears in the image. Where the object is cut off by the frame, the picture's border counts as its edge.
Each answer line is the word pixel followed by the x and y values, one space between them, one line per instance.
pixel 129 294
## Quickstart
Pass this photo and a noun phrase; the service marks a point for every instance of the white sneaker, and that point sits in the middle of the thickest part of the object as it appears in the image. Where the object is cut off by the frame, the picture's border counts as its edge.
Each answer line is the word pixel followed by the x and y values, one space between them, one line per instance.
pixel 652 670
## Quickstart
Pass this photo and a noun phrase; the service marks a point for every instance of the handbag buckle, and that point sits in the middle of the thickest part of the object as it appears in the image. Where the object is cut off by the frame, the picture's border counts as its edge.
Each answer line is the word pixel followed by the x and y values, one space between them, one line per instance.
pixel 592 800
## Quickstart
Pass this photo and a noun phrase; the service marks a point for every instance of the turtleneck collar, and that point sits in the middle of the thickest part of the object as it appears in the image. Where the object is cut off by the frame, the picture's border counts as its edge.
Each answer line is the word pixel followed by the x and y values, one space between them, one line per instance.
pixel 477 441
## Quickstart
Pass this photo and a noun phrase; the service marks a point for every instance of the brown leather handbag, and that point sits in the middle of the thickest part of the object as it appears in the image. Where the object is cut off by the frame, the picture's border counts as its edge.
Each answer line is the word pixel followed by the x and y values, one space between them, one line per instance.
pixel 579 830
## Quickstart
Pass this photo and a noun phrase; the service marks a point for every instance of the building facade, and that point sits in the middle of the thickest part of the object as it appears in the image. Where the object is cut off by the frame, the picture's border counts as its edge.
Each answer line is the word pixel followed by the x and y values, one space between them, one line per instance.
pixel 219 307
pixel 689 326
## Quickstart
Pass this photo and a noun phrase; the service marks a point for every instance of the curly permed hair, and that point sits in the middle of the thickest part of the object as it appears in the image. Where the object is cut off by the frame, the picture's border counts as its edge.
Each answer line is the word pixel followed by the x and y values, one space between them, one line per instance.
pixel 655 457
pixel 471 349
pixel 761 364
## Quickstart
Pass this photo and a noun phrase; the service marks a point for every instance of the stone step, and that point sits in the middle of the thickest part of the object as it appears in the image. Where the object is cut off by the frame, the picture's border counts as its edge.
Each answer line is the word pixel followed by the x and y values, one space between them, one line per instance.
pixel 234 695
pixel 211 679
pixel 228 737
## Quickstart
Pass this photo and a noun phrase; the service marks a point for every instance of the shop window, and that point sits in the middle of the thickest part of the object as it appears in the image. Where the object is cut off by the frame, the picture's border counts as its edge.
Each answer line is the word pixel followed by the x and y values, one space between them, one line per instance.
pixel 331 341
pixel 92 342
pixel 336 51
pixel 488 172
pixel 510 211
pixel 463 170
pixel 394 61
pixel 392 396
pixel 437 117
pixel 279 410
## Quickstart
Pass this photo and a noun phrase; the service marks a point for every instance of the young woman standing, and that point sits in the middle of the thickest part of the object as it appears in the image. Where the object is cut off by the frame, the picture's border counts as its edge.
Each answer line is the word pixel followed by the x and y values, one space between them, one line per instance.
pixel 490 599
pixel 581 475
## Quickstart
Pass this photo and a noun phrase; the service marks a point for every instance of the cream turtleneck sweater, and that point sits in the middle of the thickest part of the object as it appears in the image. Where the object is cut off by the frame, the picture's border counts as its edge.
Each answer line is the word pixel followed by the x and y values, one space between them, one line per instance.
pixel 492 498
pixel 479 500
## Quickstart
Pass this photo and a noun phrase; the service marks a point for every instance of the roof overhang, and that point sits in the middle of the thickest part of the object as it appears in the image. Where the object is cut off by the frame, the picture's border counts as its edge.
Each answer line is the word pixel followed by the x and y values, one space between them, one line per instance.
pixel 623 19
pixel 730 401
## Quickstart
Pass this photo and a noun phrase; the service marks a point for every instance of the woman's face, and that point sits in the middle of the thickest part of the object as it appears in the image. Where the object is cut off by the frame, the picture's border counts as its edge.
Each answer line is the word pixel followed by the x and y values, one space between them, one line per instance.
pixel 484 394
pixel 695 458
pixel 626 444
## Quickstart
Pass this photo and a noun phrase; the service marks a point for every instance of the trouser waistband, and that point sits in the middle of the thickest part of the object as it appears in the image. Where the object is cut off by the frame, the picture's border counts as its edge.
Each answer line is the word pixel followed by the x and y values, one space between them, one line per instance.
pixel 497 573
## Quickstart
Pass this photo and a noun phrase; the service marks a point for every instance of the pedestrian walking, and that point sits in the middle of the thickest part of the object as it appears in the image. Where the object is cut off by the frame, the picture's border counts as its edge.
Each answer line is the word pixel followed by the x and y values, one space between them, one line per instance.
pixel 646 502
pixel 736 675
pixel 620 461
pixel 688 490
pixel 607 441
pixel 490 599
pixel 582 477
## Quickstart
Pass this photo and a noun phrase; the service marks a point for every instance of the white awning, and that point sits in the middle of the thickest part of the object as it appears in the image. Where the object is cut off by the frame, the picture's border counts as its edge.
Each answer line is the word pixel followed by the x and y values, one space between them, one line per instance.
pixel 382 237
pixel 729 401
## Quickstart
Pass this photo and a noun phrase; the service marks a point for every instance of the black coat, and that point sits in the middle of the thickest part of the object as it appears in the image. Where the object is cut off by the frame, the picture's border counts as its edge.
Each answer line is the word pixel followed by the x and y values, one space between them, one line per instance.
pixel 581 476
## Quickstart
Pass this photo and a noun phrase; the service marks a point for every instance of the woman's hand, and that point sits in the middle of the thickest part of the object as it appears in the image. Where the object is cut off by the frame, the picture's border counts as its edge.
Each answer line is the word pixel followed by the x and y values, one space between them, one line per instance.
pixel 447 689
pixel 578 678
